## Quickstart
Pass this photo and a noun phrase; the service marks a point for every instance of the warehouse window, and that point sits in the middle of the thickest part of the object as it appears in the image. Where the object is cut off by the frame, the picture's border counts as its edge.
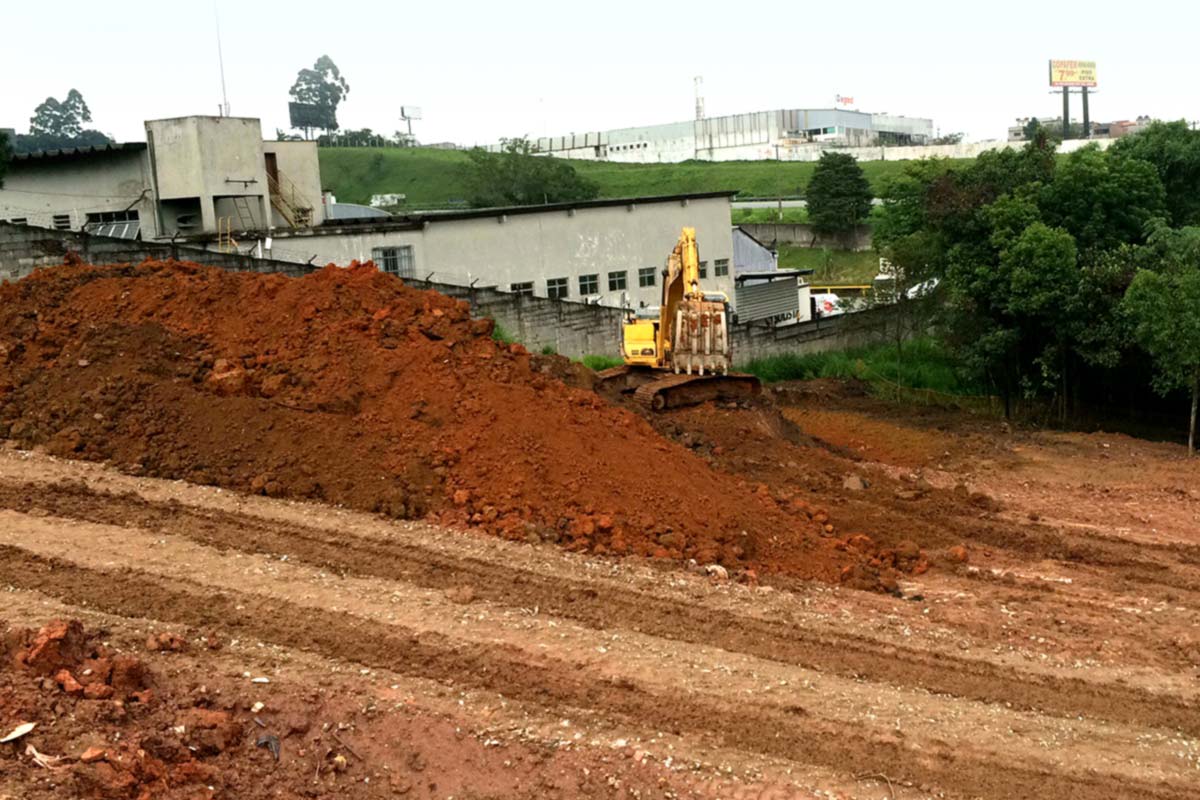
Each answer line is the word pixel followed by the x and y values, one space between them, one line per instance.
pixel 19 221
pixel 646 276
pixel 130 215
pixel 589 284
pixel 556 288
pixel 397 261
pixel 62 222
pixel 721 267
pixel 616 281
pixel 525 288
pixel 703 269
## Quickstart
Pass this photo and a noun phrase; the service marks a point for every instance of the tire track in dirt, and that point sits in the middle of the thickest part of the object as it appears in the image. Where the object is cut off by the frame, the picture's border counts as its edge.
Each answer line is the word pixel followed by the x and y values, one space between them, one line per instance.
pixel 547 681
pixel 604 605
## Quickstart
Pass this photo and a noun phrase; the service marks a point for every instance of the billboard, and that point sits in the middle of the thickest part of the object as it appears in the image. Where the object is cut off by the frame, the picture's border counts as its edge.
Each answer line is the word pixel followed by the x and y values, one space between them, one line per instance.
pixel 410 112
pixel 308 115
pixel 1072 73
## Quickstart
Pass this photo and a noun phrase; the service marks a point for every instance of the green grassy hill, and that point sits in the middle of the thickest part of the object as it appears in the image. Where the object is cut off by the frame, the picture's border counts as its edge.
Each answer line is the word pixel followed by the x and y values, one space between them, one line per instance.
pixel 432 178
pixel 831 266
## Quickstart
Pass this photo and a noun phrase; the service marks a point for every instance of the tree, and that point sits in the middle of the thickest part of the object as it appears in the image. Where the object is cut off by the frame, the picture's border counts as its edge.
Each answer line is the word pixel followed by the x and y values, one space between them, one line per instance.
pixel 1174 150
pixel 902 236
pixel 323 87
pixel 58 125
pixel 839 197
pixel 64 118
pixel 1164 309
pixel 517 176
pixel 1103 199
pixel 1031 129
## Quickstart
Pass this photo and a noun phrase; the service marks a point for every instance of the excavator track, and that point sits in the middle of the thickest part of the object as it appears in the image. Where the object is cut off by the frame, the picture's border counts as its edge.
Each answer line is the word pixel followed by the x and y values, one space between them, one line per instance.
pixel 660 391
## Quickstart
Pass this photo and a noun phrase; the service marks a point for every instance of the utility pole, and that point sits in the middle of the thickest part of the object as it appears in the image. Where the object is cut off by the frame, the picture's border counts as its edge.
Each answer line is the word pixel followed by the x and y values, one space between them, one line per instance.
pixel 778 183
pixel 221 62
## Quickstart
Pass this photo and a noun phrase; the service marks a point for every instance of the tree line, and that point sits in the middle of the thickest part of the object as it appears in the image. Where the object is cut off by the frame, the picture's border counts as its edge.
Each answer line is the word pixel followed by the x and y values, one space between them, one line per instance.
pixel 1067 280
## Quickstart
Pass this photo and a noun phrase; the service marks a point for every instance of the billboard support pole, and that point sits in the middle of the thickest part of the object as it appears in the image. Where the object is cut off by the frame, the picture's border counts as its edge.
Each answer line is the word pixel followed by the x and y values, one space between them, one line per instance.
pixel 1066 113
pixel 1087 126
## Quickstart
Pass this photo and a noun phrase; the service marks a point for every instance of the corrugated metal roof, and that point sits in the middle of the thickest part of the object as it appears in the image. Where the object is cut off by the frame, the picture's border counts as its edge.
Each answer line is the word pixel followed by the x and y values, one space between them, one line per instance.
pixel 411 221
pixel 79 152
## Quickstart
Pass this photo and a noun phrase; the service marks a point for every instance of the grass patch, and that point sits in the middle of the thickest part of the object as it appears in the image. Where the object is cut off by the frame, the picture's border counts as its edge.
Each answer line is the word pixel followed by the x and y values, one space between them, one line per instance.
pixel 922 364
pixel 750 216
pixel 598 363
pixel 831 266
pixel 434 178
pixel 501 335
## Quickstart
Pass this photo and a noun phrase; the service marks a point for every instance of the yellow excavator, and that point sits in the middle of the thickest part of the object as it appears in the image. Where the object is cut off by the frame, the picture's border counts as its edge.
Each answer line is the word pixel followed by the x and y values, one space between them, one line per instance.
pixel 679 354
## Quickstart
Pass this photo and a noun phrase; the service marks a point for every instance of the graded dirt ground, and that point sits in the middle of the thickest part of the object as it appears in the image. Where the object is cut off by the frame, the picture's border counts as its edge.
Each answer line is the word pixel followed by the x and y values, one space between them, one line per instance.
pixel 1050 649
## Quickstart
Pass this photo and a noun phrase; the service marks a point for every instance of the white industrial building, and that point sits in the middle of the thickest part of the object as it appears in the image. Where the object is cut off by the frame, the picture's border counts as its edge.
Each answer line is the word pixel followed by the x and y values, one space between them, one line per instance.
pixel 608 252
pixel 193 176
pixel 786 134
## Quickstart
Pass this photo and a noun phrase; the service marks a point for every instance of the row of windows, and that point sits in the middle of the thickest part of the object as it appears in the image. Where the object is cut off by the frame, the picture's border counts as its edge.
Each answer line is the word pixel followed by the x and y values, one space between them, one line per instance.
pixel 635 146
pixel 129 215
pixel 559 288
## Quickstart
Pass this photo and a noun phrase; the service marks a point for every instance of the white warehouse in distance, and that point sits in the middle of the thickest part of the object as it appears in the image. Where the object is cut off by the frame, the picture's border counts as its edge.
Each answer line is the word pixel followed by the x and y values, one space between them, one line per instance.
pixel 786 134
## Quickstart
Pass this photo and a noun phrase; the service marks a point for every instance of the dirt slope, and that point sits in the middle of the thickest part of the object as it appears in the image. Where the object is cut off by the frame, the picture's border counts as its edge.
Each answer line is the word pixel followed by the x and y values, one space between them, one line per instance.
pixel 348 387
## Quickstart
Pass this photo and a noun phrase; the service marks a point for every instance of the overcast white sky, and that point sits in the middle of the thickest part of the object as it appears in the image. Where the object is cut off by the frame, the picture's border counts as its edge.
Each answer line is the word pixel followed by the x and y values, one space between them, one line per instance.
pixel 485 70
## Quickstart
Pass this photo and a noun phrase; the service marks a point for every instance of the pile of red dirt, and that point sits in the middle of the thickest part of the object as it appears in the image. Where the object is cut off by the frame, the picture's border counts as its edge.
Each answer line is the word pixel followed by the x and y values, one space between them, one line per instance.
pixel 348 387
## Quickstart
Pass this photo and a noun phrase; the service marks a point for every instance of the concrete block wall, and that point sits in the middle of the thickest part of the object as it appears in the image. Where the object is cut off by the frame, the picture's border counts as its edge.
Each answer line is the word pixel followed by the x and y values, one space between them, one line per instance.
pixel 844 331
pixel 803 235
pixel 24 248
pixel 572 329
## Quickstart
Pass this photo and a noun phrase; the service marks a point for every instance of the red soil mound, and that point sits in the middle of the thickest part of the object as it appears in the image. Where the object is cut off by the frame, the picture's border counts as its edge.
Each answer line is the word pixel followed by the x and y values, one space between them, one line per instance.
pixel 349 387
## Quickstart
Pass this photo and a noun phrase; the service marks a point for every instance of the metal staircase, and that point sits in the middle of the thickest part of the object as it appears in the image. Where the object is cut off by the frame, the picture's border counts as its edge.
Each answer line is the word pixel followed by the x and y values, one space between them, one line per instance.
pixel 294 207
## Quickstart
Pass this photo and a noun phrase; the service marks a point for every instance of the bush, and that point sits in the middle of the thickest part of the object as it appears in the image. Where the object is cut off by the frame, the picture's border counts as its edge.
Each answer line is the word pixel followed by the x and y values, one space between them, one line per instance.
pixel 921 364
pixel 501 335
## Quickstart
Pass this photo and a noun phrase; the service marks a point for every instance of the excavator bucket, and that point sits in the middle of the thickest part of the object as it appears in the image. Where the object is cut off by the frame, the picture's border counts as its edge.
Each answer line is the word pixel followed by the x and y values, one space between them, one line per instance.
pixel 701 339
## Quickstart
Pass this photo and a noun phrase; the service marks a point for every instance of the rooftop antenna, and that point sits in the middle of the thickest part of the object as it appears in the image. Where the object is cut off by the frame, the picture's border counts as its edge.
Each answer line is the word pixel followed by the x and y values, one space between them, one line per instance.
pixel 698 81
pixel 221 62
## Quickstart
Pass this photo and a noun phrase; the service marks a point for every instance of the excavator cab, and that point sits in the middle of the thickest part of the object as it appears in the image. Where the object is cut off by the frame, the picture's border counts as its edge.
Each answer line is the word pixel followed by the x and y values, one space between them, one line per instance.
pixel 639 338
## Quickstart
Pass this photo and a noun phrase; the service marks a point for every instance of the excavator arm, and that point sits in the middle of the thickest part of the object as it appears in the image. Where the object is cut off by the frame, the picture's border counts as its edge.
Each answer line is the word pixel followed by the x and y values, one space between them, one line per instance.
pixel 683 356
pixel 693 327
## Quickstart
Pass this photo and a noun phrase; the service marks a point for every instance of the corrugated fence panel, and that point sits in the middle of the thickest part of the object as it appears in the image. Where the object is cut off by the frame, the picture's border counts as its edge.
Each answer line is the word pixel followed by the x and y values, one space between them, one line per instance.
pixel 767 300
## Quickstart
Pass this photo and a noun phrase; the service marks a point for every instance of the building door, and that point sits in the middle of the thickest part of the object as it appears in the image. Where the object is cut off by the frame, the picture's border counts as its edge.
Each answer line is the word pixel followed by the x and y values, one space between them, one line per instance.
pixel 272 169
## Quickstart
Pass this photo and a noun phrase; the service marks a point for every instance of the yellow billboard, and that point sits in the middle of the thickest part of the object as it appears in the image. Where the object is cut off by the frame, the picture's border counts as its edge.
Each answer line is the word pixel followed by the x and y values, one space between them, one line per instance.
pixel 1072 73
